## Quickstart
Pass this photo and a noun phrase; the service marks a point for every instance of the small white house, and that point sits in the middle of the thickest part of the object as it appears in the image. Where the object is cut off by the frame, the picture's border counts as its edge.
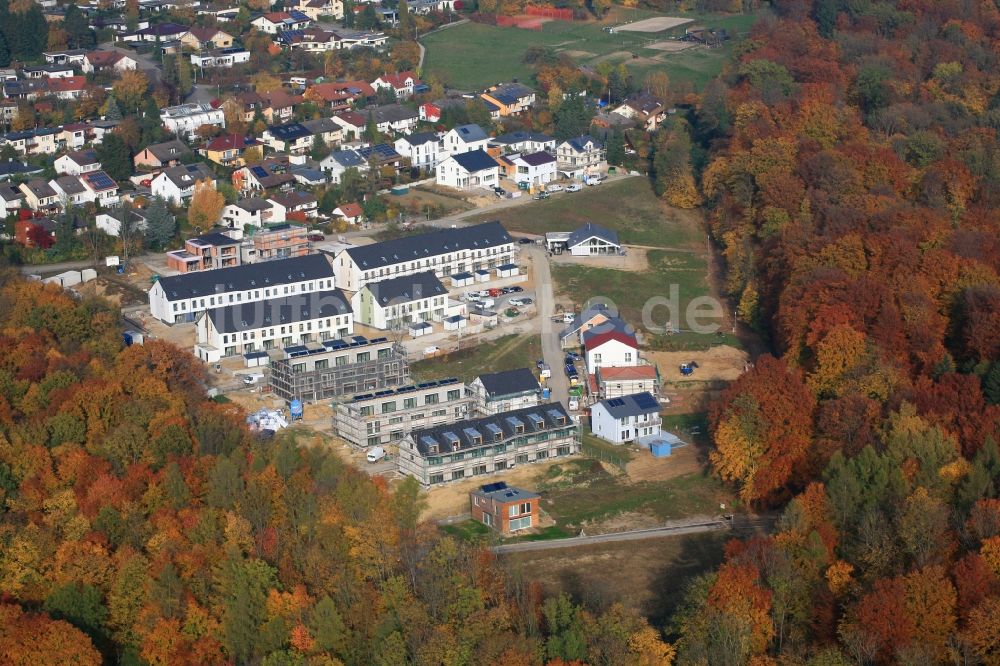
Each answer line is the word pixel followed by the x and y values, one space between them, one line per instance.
pixel 77 163
pixel 505 391
pixel 625 419
pixel 176 184
pixel 534 168
pixel 612 349
pixel 422 149
pixel 254 212
pixel 464 139
pixel 581 155
pixel 469 170
pixel 185 119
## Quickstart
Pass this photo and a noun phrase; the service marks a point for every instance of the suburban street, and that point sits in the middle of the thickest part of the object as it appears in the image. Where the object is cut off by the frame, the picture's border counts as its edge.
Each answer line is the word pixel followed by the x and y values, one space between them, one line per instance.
pixel 676 529
pixel 551 352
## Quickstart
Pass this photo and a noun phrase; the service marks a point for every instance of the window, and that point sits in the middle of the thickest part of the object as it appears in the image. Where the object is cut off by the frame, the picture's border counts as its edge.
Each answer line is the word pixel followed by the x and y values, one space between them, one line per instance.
pixel 479 469
pixel 500 465
pixel 409 403
pixel 454 395
pixel 436 478
pixel 541 455
pixel 628 356
pixel 458 474
pixel 367 410
pixel 488 519
pixel 388 407
pixel 521 459
pixel 520 523
pixel 513 510
pixel 431 399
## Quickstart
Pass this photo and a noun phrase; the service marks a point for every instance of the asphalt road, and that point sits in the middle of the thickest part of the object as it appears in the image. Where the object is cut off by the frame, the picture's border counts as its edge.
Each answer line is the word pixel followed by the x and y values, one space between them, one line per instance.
pixel 678 529
pixel 551 352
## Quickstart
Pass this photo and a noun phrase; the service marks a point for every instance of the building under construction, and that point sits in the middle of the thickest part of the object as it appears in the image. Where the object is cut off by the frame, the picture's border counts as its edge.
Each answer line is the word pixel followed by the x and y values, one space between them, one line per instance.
pixel 338 368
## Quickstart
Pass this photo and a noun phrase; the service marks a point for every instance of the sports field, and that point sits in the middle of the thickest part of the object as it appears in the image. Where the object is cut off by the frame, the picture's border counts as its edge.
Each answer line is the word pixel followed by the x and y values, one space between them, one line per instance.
pixel 472 56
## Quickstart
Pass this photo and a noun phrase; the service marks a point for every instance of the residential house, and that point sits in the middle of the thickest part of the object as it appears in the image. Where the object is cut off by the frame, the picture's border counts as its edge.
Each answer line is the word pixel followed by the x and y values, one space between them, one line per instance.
pixel 280 241
pixel 69 190
pixel 101 188
pixel 227 149
pixel 590 240
pixel 429 112
pixel 463 171
pixel 505 391
pixel 350 39
pixel 339 94
pixel 338 368
pixel 394 118
pixel 317 8
pixel 387 416
pixel 352 213
pixel 277 322
pixel 272 173
pixel 201 39
pixel 293 138
pixel 398 301
pixel 422 149
pixel 444 251
pixel 117 61
pixel 381 155
pixel 465 139
pixel 206 252
pixel 159 155
pixel 68 88
pixel 253 212
pixel 39 141
pixel 176 184
pixel 622 381
pixel 181 298
pixel 626 419
pixel 47 72
pixel 506 509
pixel 313 40
pixel 604 349
pixel 77 163
pixel 591 317
pixel 510 98
pixel 535 169
pixel 401 83
pixel 110 221
pixel 185 119
pixel 40 196
pixel 160 32
pixel 644 109
pixel 581 155
pixel 11 200
pixel 294 205
pixel 279 106
pixel 352 123
pixel 222 59
pixel 489 444
pixel 523 142
pixel 15 169
pixel 309 176
pixel 274 22
pixel 339 161
pixel 326 129
pixel 72 57
pixel 73 136
pixel 35 232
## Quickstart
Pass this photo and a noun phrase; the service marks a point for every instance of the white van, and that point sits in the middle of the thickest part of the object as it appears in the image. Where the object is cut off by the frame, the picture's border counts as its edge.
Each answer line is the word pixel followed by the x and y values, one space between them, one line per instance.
pixel 592 180
pixel 375 454
pixel 430 351
pixel 250 380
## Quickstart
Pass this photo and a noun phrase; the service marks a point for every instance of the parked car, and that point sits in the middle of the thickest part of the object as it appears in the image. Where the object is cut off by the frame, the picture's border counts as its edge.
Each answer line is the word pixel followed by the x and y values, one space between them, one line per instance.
pixel 514 290
pixel 544 371
pixel 316 237
pixel 526 301
pixel 554 187
pixel 430 351
pixel 500 192
pixel 575 187
pixel 573 355
pixel 516 302
pixel 375 454
pixel 592 180
pixel 524 241
pixel 541 196
pixel 494 292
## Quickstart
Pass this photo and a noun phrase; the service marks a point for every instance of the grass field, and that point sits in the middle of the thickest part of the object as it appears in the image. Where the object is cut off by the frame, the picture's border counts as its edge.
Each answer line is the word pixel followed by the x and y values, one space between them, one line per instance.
pixel 506 353
pixel 472 56
pixel 628 206
pixel 629 292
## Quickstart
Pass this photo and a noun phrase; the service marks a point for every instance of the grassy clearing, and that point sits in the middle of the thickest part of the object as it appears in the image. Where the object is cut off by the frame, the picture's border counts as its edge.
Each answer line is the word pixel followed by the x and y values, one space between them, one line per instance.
pixel 682 273
pixel 470 530
pixel 690 341
pixel 628 206
pixel 584 492
pixel 506 353
pixel 472 56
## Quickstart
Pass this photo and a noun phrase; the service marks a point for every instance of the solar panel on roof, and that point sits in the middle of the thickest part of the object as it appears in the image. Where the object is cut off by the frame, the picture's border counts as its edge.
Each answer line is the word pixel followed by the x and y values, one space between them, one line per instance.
pixel 493 487
pixel 258 171
pixel 645 401
pixel 616 402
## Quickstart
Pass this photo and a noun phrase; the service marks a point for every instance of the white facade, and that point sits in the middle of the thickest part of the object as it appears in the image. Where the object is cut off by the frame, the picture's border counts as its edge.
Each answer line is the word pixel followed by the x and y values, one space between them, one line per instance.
pixel 185 119
pixel 236 216
pixel 623 428
pixel 223 59
pixel 67 165
pixel 452 174
pixel 456 141
pixel 582 154
pixel 534 171
pixel 611 353
pixel 422 154
pixel 174 186
pixel 316 329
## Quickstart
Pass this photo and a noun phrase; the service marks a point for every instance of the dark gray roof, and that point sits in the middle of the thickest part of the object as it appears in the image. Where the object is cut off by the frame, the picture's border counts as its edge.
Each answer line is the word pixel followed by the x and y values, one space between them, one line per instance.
pixel 519 137
pixel 509 382
pixel 406 288
pixel 631 405
pixel 393 113
pixel 40 189
pixel 585 316
pixel 321 125
pixel 547 415
pixel 509 93
pixel 8 193
pixel 430 244
pixel 254 204
pixel 501 492
pixel 420 138
pixel 277 311
pixel 589 230
pixel 347 158
pixel 70 185
pixel 83 157
pixel 186 175
pixel 169 150
pixel 13 168
pixel 214 238
pixel 471 132
pixel 248 276
pixel 475 160
pixel 579 143
pixel 289 132
pixel 539 158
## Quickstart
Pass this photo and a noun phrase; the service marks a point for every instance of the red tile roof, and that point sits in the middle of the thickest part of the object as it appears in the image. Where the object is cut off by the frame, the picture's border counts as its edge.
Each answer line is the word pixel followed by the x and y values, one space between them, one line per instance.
pixel 67 84
pixel 628 373
pixel 351 210
pixel 228 142
pixel 398 80
pixel 595 341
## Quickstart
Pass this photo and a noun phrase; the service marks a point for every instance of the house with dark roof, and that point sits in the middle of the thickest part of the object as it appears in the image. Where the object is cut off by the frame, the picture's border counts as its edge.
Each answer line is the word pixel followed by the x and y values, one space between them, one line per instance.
pixel 11 200
pixel 176 184
pixel 70 190
pixel 294 205
pixel 595 317
pixel 581 155
pixel 13 169
pixel 465 138
pixel 296 319
pixel 339 161
pixel 77 163
pixel 180 298
pixel 252 211
pixel 270 173
pixel 534 169
pixel 504 508
pixel 463 171
pixel 626 419
pixel 227 149
pixel 39 196
pixel 423 149
pixel 274 22
pixel 503 391
pixel 443 251
pixel 159 155
pixel 510 98
pixel 644 109
pixel 205 252
pixel 589 240
pixel 394 118
pixel 398 301
pixel 293 138
pixel 489 444
pixel 326 129
pixel 523 141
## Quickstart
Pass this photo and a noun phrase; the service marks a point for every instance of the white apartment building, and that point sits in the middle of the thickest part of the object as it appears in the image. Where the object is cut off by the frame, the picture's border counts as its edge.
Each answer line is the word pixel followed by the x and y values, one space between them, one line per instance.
pixel 185 119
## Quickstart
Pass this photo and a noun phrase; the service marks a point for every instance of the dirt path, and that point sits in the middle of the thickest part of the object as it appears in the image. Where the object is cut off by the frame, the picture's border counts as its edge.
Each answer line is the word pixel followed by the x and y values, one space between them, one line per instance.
pixel 678 528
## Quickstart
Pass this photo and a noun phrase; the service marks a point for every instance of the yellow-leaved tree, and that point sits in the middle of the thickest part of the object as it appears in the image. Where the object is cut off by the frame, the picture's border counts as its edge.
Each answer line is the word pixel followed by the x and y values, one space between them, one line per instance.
pixel 206 206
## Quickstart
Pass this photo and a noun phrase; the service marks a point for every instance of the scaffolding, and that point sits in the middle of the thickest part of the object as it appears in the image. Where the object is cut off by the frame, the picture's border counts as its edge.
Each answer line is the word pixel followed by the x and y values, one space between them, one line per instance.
pixel 335 373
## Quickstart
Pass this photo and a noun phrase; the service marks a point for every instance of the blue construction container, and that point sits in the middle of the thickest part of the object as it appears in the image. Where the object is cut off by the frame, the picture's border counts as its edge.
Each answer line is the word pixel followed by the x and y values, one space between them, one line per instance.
pixel 295 409
pixel 546 393
pixel 660 449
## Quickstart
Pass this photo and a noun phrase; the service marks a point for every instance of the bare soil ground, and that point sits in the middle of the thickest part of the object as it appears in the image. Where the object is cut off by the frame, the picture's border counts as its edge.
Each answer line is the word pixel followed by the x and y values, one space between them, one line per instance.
pixel 635 260
pixel 644 467
pixel 656 24
pixel 579 54
pixel 648 575
pixel 670 46
pixel 118 291
pixel 722 363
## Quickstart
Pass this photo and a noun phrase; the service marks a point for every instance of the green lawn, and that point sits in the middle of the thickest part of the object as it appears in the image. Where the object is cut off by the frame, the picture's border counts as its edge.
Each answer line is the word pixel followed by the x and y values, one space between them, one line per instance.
pixel 469 530
pixel 473 56
pixel 683 273
pixel 507 353
pixel 585 492
pixel 628 206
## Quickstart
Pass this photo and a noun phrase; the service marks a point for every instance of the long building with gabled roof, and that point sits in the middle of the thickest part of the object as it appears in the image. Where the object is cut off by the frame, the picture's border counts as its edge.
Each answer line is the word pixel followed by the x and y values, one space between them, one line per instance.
pixel 445 252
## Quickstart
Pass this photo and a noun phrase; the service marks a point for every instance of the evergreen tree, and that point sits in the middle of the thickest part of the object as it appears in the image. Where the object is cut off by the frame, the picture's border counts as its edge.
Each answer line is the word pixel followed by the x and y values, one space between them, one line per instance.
pixel 405 21
pixel 160 224
pixel 4 51
pixel 113 111
pixel 65 236
pixel 348 14
pixel 78 29
pixel 115 157
pixel 371 129
pixel 319 148
pixel 368 18
pixel 573 118
pixel 615 146
pixel 185 77
pixel 991 384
